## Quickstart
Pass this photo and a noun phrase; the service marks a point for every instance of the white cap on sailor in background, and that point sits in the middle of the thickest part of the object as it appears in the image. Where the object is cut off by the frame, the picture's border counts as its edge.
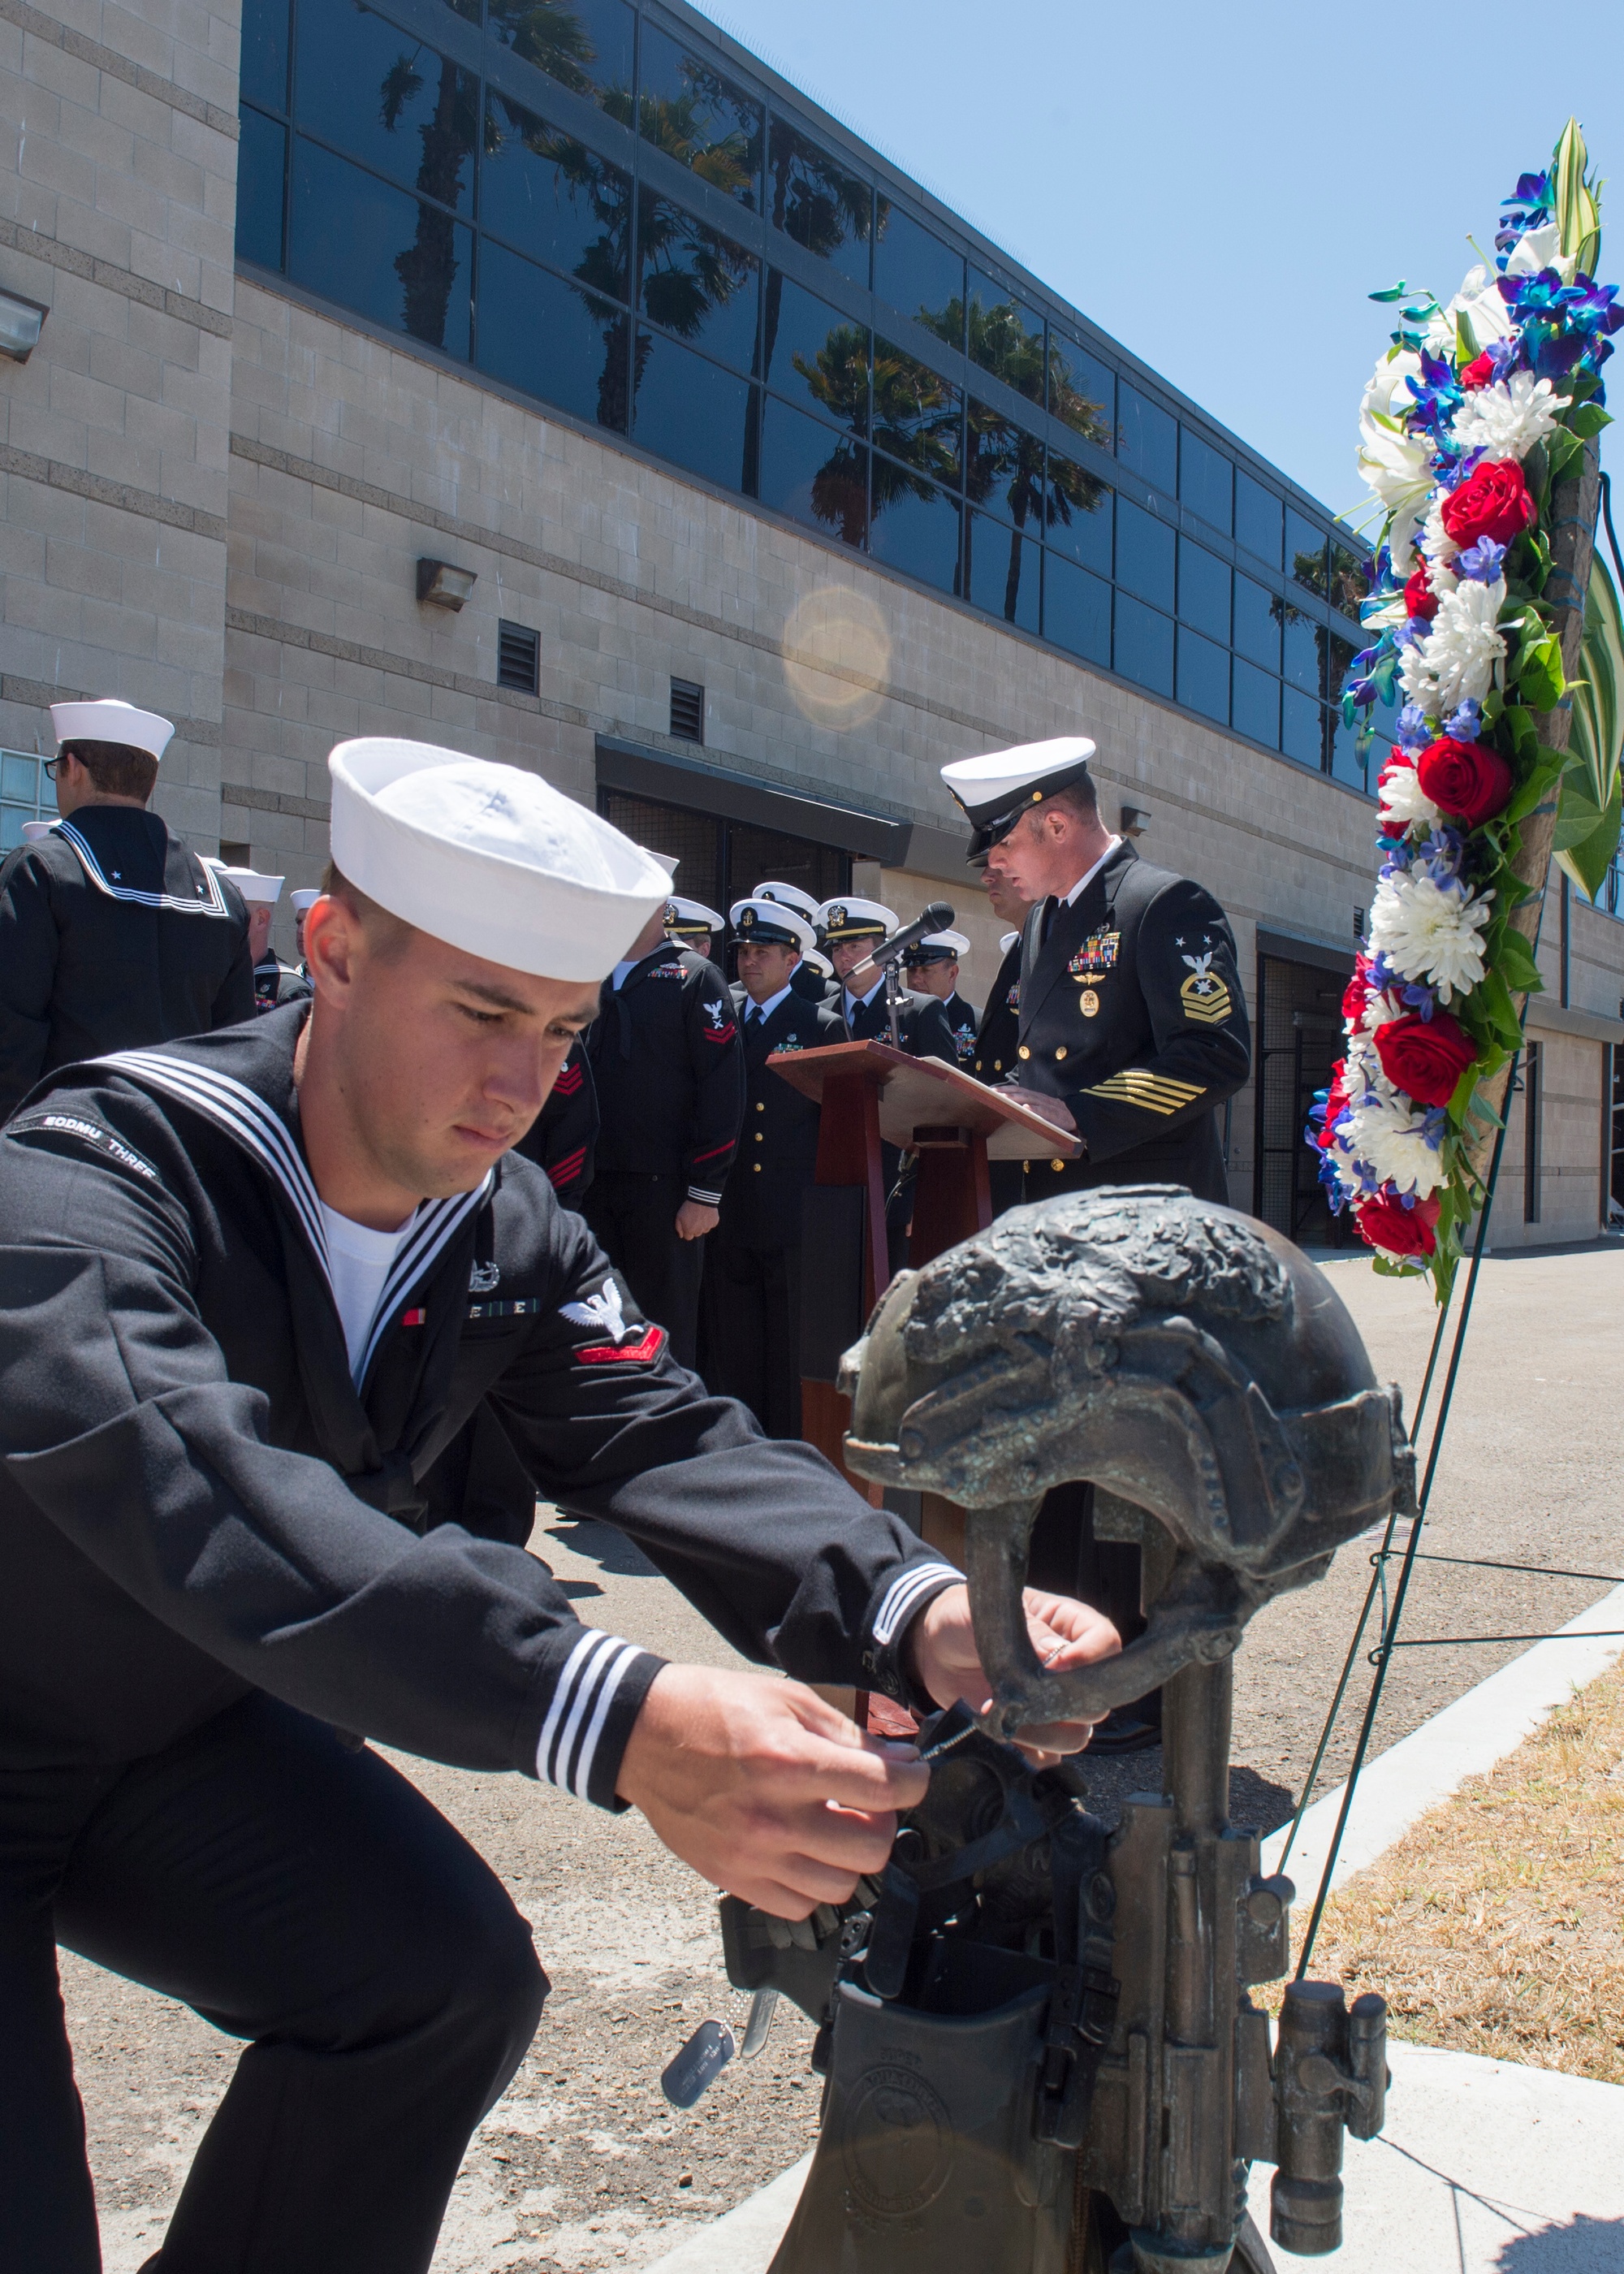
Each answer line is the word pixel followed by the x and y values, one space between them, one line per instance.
pixel 107 719
pixel 1006 941
pixel 692 920
pixel 301 901
pixel 253 887
pixel 771 923
pixel 788 896
pixel 846 918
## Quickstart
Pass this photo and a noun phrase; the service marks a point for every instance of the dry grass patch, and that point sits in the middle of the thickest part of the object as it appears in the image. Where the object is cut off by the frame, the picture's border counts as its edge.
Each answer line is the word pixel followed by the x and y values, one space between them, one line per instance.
pixel 1493 1927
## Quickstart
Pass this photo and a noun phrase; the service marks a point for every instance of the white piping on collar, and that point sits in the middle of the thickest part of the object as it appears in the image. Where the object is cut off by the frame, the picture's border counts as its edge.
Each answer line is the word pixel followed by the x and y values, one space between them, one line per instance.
pixel 215 906
pixel 234 1108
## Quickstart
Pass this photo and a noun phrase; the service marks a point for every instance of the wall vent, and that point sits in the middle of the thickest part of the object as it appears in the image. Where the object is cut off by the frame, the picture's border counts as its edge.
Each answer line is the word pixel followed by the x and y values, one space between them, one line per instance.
pixel 687 712
pixel 518 658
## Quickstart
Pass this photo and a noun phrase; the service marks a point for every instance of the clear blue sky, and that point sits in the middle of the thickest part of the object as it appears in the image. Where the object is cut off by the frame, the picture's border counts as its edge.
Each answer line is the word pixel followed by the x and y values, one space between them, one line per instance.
pixel 1217 185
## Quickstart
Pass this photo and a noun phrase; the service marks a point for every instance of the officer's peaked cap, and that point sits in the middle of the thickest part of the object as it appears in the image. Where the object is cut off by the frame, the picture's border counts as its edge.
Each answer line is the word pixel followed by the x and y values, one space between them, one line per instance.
pixel 109 721
pixel 937 947
pixel 1006 941
pixel 692 916
pixel 996 790
pixel 788 896
pixel 771 924
pixel 266 890
pixel 490 859
pixel 850 919
pixel 821 964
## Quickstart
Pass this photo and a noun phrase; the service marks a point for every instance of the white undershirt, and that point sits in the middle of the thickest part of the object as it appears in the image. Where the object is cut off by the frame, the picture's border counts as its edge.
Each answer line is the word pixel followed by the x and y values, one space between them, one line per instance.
pixel 1083 882
pixel 854 1003
pixel 622 972
pixel 360 1260
pixel 764 1011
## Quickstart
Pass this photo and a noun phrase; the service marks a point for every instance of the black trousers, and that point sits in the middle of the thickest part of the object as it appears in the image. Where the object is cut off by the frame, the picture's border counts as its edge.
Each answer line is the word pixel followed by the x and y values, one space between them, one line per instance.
pixel 634 1219
pixel 752 1305
pixel 302 1897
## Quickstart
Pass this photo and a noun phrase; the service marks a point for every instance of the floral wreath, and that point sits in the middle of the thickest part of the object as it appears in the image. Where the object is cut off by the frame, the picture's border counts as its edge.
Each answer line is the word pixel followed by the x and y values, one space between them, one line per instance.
pixel 1475 414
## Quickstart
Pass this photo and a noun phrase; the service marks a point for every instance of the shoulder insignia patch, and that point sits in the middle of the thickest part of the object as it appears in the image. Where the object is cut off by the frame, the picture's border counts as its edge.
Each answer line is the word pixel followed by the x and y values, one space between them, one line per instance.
pixel 94 1133
pixel 1205 998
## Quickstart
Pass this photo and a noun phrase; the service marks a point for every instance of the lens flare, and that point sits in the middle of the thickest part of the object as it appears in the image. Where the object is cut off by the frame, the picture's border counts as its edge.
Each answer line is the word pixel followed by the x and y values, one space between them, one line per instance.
pixel 837 657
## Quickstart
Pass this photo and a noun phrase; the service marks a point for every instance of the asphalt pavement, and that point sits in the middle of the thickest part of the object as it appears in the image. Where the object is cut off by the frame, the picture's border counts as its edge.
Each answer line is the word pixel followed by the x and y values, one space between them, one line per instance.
pixel 583 2164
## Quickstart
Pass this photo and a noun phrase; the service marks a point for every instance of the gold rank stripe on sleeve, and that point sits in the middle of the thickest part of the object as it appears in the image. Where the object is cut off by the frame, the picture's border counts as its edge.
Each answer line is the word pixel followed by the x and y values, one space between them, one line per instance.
pixel 1157 1093
pixel 1209 1009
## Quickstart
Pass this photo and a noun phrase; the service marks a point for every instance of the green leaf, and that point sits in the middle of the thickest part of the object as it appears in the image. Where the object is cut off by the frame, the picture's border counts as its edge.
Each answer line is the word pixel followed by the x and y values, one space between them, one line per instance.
pixel 1564 451
pixel 1532 793
pixel 1587 858
pixel 1539 675
pixel 1515 960
pixel 1588 420
pixel 1494 997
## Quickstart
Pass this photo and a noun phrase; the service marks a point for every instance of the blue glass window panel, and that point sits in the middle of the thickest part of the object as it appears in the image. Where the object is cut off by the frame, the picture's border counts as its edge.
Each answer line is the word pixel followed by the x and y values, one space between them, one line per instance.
pixel 387 99
pixel 691 412
pixel 11 820
pixel 913 525
pixel 1003 466
pixel 697 282
pixel 1205 481
pixel 1203 675
pixel 1005 336
pixel 1144 553
pixel 1077 514
pixel 705 121
pixel 918 414
pixel 586 45
pixel 551 339
pixel 1077 611
pixel 1257 622
pixel 376 250
pixel 1204 591
pixel 1003 571
pixel 1339 654
pixel 1305 552
pixel 1256 704
pixel 813 354
pixel 1346 765
pixel 1259 518
pixel 1146 437
pixel 20 778
pixel 264 69
pixel 555 200
pixel 1348 584
pixel 1302 652
pixel 1082 391
pixel 813 473
pixel 261 172
pixel 817 201
pixel 917 273
pixel 1302 734
pixel 1144 645
pixel 470 10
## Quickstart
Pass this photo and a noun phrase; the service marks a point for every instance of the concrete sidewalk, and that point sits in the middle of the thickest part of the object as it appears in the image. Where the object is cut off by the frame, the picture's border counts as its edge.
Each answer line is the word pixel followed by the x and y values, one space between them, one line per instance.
pixel 1484 2168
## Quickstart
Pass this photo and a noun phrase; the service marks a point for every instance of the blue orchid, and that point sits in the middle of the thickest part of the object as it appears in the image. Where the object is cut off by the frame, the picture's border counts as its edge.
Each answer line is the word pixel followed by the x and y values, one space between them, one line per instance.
pixel 1466 723
pixel 1482 561
pixel 1411 732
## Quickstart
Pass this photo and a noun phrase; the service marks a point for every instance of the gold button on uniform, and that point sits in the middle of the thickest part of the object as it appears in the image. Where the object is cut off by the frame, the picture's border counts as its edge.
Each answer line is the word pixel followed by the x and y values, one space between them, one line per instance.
pixel 760 1108
pixel 1060 1053
pixel 758 1137
pixel 1057 1166
pixel 1023 1052
pixel 997 1066
pixel 756 1166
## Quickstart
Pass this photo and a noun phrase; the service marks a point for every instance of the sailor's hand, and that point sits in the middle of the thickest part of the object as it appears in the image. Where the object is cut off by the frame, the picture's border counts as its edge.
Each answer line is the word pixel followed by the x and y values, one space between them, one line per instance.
pixel 1051 1109
pixel 766 1792
pixel 695 1219
pixel 942 1654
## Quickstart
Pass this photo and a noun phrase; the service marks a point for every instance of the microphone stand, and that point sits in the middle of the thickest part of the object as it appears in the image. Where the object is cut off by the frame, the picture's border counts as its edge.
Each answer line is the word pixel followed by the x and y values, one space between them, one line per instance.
pixel 894 1003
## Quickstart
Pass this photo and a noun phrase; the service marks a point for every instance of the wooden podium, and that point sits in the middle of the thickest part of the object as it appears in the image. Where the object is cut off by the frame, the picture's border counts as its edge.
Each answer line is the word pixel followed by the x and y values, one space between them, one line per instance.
pixel 873 1095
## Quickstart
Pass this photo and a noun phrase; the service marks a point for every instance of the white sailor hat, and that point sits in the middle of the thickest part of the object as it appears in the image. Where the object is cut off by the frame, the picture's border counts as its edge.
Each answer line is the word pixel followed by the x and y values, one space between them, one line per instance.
pixel 304 899
pixel 693 918
pixel 850 919
pixel 768 923
pixel 995 790
pixel 33 831
pixel 788 896
pixel 821 964
pixel 109 721
pixel 489 858
pixel 669 861
pixel 936 947
pixel 1006 940
pixel 254 888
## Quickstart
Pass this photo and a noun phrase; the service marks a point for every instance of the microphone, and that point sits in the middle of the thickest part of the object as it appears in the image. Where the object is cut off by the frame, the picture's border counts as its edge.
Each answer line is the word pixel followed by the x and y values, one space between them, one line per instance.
pixel 936 917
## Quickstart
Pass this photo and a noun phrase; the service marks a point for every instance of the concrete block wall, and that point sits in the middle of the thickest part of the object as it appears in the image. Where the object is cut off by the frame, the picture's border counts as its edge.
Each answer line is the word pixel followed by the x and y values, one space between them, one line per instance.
pixel 117 208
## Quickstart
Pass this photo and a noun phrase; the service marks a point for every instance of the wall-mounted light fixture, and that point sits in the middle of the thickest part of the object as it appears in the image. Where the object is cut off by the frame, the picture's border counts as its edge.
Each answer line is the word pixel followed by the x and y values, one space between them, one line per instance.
pixel 1134 821
pixel 21 323
pixel 439 585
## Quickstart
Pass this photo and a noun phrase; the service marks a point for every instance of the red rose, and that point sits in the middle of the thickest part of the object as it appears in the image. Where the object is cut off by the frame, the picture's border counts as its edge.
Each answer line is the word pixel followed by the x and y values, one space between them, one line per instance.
pixel 1468 780
pixel 1424 1057
pixel 1358 986
pixel 1493 502
pixel 1419 597
pixel 1478 373
pixel 1335 1098
pixel 1385 1222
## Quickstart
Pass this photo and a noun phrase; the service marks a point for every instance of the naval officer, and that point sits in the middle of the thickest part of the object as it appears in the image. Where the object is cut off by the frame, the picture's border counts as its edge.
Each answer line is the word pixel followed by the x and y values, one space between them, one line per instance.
pixel 752 1292
pixel 301 902
pixel 251 1286
pixel 814 971
pixel 112 932
pixel 691 925
pixel 932 967
pixel 275 983
pixel 998 1034
pixel 1132 1032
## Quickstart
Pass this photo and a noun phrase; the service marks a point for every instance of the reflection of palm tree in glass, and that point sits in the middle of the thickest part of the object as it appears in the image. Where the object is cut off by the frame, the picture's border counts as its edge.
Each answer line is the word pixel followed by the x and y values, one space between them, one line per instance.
pixel 810 199
pixel 427 268
pixel 679 126
pixel 689 271
pixel 1002 460
pixel 550 35
pixel 837 377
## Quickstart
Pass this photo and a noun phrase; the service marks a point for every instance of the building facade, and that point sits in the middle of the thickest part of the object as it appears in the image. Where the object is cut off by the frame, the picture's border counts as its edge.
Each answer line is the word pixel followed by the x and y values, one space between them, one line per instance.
pixel 549 378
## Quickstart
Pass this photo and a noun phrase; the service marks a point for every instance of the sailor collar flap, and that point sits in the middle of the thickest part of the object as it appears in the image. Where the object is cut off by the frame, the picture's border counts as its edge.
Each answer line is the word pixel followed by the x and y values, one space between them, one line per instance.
pixel 204 895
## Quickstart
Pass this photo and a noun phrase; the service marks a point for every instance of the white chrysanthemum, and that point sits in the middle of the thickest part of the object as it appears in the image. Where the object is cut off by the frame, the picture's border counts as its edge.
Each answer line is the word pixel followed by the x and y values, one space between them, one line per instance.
pixel 1392 1138
pixel 1507 419
pixel 1431 932
pixel 1405 804
pixel 1439 546
pixel 1455 663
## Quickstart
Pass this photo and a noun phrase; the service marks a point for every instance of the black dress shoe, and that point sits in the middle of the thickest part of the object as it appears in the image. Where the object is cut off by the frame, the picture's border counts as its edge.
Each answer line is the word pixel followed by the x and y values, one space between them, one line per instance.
pixel 1124 1730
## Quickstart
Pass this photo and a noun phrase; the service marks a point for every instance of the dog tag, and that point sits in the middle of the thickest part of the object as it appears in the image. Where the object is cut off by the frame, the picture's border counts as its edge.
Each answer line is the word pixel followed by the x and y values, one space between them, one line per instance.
pixel 707 2052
